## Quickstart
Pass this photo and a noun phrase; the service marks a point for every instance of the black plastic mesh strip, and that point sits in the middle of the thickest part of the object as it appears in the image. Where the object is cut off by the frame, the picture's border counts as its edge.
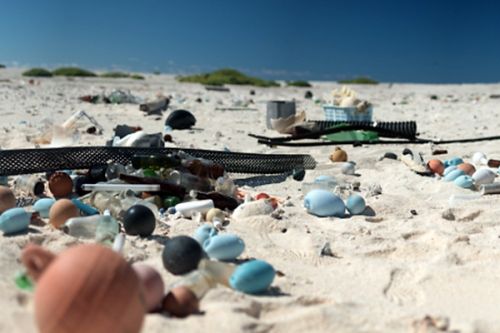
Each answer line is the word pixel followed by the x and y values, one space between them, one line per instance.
pixel 26 161
pixel 407 129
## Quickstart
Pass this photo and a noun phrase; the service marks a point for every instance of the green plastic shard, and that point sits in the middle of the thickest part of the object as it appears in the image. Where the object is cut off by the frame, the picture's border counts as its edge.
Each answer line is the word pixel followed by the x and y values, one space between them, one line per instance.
pixel 23 281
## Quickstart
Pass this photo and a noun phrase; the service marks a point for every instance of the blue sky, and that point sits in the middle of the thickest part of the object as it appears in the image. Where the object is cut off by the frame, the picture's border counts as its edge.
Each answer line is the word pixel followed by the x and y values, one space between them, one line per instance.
pixel 428 41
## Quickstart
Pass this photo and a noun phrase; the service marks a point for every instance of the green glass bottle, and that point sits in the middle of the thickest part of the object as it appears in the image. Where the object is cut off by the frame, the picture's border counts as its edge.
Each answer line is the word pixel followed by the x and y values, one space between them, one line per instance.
pixel 155 162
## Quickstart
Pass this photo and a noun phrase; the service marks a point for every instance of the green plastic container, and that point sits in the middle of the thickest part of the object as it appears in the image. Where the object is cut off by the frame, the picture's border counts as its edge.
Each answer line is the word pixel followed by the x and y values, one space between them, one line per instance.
pixel 359 135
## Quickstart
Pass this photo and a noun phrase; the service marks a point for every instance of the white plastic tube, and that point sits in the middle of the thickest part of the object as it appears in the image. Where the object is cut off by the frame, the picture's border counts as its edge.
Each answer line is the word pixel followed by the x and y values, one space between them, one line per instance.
pixel 187 209
pixel 104 187
pixel 119 243
pixel 493 188
pixel 457 199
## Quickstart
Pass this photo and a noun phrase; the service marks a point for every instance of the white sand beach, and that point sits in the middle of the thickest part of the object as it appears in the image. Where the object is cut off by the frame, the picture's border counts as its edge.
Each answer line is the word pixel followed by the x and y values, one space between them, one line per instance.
pixel 383 274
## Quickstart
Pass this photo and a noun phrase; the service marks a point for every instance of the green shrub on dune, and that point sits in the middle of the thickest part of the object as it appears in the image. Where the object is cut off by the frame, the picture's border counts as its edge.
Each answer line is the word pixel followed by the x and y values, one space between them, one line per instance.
pixel 227 76
pixel 114 75
pixel 359 80
pixel 137 77
pixel 73 71
pixel 2 66
pixel 37 72
pixel 300 84
pixel 121 75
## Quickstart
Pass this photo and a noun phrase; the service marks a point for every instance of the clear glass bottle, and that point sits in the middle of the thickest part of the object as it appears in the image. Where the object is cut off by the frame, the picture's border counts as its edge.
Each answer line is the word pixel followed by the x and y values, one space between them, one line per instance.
pixel 103 228
pixel 114 170
pixel 107 229
pixel 82 227
pixel 118 203
pixel 208 275
pixel 226 186
pixel 328 183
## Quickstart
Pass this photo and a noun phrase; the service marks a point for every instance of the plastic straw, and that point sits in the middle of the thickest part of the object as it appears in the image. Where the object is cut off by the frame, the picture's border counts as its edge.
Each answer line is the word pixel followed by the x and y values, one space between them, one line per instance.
pixel 457 199
pixel 121 187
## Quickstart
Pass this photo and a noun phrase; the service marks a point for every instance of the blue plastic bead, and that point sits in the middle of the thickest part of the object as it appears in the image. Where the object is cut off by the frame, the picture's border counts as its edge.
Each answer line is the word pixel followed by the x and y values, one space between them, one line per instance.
pixel 204 232
pixel 324 203
pixel 224 247
pixel 355 204
pixel 451 176
pixel 14 220
pixel 42 207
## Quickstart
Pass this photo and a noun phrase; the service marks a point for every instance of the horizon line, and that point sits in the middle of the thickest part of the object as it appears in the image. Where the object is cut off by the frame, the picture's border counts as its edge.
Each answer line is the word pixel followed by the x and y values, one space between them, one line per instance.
pixel 157 72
